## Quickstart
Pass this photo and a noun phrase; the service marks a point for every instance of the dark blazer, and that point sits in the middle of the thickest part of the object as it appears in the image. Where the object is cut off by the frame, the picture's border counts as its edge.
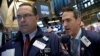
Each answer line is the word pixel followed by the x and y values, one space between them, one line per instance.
pixel 52 43
pixel 92 50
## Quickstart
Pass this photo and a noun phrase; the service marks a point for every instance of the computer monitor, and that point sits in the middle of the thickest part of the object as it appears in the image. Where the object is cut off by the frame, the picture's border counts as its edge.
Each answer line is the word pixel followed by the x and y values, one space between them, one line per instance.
pixel 44 9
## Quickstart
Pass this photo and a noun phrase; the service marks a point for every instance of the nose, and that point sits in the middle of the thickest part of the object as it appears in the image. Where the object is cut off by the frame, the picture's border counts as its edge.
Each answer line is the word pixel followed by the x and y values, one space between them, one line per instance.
pixel 65 23
pixel 22 19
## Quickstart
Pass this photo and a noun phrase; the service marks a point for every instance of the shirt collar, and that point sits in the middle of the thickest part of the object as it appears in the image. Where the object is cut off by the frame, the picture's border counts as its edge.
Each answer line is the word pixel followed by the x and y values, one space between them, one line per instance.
pixel 79 34
pixel 31 35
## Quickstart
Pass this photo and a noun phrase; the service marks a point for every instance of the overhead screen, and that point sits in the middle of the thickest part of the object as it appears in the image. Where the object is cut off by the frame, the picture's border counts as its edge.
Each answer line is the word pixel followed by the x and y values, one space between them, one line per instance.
pixel 43 9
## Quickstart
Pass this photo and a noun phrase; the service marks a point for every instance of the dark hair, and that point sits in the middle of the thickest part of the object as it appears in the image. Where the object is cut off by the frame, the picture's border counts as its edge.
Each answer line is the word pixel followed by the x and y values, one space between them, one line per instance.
pixel 1 26
pixel 34 10
pixel 76 12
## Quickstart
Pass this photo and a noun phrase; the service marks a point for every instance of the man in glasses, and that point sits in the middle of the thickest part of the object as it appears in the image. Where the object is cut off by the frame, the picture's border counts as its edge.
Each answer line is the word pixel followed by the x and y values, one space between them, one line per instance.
pixel 30 40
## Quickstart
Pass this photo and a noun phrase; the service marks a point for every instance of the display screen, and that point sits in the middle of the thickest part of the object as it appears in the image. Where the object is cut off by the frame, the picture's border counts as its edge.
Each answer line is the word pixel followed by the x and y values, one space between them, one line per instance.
pixel 44 9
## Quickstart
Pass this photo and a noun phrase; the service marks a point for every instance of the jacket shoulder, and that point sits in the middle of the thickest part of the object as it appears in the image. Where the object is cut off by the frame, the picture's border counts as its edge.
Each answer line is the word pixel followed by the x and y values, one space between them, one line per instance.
pixel 51 35
pixel 92 36
pixel 8 45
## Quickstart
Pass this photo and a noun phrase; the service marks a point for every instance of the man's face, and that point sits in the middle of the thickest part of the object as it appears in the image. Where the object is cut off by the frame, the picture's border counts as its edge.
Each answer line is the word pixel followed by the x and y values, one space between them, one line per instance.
pixel 26 19
pixel 70 23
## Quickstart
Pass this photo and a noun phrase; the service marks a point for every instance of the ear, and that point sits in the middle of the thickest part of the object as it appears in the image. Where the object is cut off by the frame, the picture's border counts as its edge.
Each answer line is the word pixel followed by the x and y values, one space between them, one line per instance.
pixel 37 17
pixel 79 20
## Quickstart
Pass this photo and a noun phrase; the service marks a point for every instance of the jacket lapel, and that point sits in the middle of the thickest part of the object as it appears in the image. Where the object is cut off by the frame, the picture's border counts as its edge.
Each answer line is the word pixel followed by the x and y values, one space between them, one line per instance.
pixel 19 44
pixel 34 51
pixel 69 49
pixel 82 46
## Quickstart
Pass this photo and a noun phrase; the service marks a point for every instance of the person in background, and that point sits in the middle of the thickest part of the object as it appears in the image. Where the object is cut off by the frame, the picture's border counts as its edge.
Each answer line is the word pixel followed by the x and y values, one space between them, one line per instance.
pixel 78 42
pixel 91 28
pixel 3 37
pixel 2 34
pixel 98 28
pixel 50 29
pixel 30 40
pixel 82 24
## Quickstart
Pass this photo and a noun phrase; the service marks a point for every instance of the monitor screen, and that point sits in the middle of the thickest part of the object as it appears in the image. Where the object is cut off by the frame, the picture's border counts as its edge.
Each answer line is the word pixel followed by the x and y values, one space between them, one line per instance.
pixel 44 9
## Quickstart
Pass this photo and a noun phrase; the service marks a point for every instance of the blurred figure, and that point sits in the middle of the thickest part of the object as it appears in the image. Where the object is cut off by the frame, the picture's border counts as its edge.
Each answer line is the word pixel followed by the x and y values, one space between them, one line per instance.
pixel 91 28
pixel 98 28
pixel 78 42
pixel 82 24
pixel 50 29
pixel 2 33
pixel 6 32
pixel 30 40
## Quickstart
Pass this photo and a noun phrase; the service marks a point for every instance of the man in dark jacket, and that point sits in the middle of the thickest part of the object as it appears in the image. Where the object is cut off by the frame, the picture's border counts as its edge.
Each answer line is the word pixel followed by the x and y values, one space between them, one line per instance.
pixel 78 42
pixel 30 40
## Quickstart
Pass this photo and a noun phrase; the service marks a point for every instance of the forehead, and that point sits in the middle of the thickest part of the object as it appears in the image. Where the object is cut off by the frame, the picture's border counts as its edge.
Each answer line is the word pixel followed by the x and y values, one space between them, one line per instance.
pixel 68 14
pixel 24 9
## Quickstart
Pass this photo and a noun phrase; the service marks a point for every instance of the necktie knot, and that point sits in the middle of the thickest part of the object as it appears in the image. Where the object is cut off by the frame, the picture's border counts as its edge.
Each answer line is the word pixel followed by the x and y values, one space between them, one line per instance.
pixel 27 35
pixel 27 38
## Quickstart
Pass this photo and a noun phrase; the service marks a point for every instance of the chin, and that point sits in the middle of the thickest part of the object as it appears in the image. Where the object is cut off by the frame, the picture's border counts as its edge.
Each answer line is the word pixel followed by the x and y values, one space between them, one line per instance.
pixel 25 31
pixel 69 33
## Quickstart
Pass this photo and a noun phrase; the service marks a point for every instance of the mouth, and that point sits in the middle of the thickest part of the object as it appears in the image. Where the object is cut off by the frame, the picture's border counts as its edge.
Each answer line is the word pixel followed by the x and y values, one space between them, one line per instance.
pixel 67 29
pixel 23 25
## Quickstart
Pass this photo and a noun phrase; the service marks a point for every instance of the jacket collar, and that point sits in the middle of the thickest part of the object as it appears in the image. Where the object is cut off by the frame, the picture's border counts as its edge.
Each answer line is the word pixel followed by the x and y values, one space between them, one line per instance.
pixel 19 35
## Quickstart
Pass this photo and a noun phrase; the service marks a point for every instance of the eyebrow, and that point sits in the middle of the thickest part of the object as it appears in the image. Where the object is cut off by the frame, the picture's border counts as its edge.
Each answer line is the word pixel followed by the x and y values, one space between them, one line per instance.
pixel 65 18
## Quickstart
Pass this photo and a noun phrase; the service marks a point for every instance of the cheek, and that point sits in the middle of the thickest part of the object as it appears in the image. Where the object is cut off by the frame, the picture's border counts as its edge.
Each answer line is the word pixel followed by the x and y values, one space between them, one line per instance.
pixel 19 23
pixel 72 25
pixel 33 22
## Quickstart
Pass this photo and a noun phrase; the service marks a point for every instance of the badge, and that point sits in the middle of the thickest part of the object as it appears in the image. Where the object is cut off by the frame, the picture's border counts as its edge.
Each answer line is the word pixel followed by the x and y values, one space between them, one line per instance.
pixel 8 52
pixel 45 38
pixel 85 41
pixel 39 44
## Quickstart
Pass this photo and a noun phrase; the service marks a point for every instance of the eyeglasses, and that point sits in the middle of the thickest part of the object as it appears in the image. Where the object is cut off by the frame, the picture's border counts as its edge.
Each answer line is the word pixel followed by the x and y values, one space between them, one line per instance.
pixel 25 16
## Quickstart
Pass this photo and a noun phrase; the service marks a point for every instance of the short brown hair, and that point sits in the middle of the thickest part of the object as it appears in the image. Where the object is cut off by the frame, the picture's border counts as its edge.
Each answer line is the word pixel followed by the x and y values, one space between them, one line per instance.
pixel 76 12
pixel 34 10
